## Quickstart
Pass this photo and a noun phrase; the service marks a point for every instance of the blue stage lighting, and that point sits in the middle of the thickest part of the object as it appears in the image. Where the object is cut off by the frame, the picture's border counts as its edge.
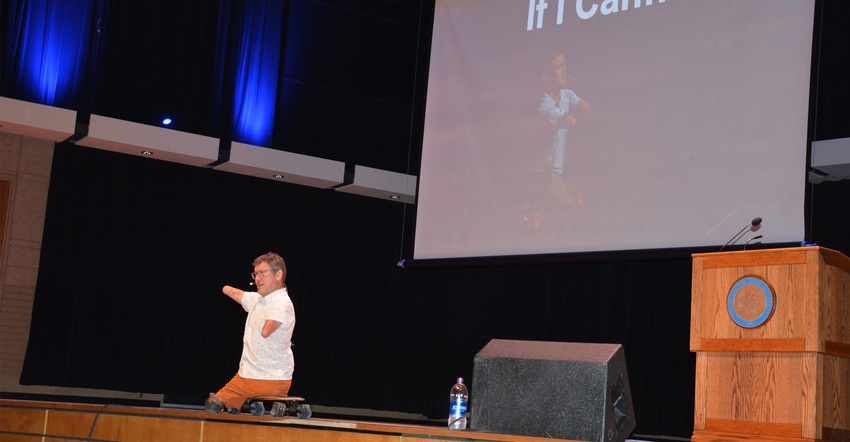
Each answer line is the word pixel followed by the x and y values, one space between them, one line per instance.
pixel 257 63
pixel 45 50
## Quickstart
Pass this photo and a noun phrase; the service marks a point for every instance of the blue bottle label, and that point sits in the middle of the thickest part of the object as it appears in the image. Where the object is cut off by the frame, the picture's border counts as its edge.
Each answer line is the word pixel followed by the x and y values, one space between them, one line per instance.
pixel 457 409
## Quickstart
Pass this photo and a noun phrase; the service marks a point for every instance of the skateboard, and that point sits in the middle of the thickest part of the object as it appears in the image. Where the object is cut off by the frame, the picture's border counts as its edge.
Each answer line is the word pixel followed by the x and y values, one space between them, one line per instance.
pixel 281 406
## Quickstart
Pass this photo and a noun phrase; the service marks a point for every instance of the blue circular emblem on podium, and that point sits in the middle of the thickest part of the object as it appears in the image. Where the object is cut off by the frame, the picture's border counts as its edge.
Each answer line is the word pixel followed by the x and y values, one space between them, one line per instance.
pixel 751 301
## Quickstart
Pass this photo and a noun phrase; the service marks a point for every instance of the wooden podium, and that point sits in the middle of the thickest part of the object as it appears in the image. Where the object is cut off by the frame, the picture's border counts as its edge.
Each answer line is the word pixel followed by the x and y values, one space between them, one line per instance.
pixel 771 333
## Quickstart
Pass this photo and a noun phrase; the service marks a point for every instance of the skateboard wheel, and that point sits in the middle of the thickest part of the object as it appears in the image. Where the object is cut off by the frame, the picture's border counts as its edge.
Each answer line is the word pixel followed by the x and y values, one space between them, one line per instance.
pixel 303 411
pixel 257 408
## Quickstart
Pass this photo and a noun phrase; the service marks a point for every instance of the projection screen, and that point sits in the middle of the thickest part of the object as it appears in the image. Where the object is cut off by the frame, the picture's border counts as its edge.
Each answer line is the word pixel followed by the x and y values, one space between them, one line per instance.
pixel 580 126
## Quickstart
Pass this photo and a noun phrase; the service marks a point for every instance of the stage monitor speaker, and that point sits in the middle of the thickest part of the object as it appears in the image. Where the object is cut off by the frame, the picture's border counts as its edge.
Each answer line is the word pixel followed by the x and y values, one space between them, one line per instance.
pixel 561 390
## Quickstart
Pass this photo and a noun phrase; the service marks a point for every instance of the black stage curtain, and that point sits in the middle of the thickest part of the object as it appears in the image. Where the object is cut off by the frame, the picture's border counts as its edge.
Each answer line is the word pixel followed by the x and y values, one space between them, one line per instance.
pixel 135 253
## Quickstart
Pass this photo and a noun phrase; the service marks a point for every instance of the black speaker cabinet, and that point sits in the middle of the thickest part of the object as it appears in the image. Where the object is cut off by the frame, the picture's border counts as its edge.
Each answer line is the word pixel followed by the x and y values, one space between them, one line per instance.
pixel 561 390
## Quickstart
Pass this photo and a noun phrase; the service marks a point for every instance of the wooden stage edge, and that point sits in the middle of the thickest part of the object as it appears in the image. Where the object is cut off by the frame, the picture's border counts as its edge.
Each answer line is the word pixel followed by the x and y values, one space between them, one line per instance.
pixel 23 420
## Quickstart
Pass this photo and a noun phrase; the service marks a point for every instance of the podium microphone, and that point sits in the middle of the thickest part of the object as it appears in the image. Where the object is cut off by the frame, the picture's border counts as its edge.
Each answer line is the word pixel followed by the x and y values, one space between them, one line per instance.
pixel 751 240
pixel 755 222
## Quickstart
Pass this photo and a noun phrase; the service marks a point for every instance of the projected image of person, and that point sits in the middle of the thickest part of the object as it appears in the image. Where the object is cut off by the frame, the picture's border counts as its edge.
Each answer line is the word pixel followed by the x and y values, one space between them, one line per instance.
pixel 559 106
pixel 267 363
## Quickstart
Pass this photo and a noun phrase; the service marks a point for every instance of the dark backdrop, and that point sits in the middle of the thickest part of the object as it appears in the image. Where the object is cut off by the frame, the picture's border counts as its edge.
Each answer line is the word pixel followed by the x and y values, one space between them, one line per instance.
pixel 135 253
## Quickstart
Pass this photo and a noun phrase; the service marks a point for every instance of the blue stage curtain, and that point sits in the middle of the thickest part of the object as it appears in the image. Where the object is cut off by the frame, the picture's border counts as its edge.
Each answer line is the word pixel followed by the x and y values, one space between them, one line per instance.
pixel 257 54
pixel 47 47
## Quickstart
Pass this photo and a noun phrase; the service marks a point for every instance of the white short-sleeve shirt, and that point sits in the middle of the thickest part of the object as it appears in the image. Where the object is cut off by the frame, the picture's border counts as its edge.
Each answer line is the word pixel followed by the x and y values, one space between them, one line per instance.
pixel 268 358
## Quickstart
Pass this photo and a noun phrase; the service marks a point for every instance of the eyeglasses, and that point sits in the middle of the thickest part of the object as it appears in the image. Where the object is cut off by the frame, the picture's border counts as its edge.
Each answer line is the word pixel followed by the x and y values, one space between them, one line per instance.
pixel 262 273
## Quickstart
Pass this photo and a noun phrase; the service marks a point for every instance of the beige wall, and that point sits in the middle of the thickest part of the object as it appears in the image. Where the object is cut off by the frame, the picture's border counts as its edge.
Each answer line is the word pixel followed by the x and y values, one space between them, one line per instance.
pixel 26 163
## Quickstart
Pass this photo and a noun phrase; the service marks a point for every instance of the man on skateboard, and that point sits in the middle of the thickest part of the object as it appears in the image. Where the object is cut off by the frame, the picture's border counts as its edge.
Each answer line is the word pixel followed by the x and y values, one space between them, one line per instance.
pixel 267 363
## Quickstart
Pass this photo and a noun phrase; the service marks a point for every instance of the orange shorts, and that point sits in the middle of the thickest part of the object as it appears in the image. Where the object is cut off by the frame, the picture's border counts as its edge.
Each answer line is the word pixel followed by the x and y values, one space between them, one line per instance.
pixel 239 389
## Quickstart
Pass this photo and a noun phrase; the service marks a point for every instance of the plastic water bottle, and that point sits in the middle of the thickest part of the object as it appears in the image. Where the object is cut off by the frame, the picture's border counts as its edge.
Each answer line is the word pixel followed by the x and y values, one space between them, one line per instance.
pixel 458 398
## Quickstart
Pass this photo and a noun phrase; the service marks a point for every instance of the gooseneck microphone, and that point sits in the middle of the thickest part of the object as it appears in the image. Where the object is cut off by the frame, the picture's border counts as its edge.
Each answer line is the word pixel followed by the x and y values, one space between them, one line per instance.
pixel 751 240
pixel 755 222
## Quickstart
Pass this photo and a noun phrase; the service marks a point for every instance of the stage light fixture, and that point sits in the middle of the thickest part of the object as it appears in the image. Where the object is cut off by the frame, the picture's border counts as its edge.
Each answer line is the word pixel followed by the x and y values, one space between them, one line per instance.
pixel 36 120
pixel 290 167
pixel 384 184
pixel 167 144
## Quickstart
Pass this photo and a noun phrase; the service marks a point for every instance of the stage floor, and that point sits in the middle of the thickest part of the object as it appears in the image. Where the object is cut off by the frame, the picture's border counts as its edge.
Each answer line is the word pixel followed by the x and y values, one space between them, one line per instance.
pixel 22 420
